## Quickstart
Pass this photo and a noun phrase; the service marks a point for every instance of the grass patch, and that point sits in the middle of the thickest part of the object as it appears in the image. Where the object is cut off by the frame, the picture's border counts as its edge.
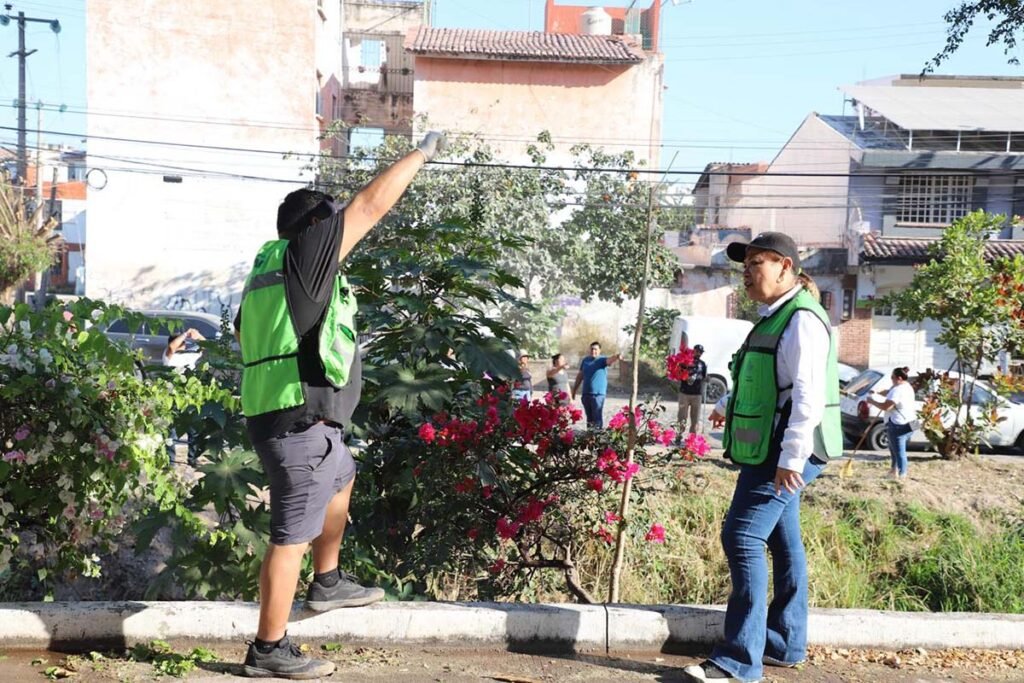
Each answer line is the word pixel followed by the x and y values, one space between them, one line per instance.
pixel 862 553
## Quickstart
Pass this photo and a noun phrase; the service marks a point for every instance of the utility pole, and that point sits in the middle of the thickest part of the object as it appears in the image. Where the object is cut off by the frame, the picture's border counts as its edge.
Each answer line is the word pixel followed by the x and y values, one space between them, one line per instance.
pixel 22 55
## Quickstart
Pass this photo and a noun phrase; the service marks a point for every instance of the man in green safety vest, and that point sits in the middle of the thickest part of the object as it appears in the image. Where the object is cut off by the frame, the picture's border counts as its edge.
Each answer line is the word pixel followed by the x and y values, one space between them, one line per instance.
pixel 300 384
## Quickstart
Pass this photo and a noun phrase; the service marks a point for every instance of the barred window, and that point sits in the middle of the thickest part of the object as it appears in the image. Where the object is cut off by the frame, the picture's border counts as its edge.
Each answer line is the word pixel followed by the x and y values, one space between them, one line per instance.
pixel 934 199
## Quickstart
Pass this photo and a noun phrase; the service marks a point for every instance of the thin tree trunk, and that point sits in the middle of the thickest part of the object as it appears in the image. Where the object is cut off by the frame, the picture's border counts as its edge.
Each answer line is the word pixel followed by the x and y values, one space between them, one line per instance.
pixel 620 536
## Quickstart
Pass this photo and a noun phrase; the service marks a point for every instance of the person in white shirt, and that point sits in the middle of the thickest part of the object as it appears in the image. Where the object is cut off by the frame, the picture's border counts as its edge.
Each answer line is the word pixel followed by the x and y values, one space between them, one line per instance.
pixel 900 413
pixel 182 353
pixel 781 426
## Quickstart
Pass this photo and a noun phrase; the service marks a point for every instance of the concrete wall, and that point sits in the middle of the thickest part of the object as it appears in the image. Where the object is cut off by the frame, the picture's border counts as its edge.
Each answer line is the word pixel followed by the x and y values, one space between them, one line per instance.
pixel 814 147
pixel 618 107
pixel 202 74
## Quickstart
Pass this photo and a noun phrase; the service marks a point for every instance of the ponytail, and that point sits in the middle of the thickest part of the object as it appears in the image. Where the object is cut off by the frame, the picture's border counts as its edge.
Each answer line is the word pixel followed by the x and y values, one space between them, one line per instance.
pixel 808 282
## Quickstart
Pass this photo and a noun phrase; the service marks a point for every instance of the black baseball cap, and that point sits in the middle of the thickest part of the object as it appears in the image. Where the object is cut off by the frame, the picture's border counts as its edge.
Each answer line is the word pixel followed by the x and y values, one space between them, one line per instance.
pixel 778 242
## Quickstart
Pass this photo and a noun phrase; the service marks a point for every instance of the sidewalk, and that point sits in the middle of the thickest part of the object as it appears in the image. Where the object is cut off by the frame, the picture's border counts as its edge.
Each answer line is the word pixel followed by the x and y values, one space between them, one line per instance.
pixel 554 628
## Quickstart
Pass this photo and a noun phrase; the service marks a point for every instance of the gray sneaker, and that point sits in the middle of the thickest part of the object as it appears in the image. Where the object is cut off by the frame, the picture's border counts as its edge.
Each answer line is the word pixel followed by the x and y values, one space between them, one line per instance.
pixel 284 661
pixel 345 593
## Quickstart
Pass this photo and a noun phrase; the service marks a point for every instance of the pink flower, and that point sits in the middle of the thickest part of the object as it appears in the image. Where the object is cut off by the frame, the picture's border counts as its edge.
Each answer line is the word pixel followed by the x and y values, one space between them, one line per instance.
pixel 696 445
pixel 656 534
pixel 507 529
pixel 605 535
pixel 68 317
pixel 611 518
pixel 487 492
pixel 472 534
pixel 618 421
pixel 22 433
pixel 14 456
pixel 567 437
pixel 596 484
pixel 667 437
pixel 427 433
pixel 678 364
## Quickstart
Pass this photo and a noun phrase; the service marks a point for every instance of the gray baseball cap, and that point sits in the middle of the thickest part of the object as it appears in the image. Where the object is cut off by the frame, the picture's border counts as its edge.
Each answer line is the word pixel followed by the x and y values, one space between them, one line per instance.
pixel 778 242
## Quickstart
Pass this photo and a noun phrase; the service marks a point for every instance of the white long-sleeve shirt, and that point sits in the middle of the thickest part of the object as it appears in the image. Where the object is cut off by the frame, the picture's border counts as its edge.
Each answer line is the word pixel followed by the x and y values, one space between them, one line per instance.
pixel 801 362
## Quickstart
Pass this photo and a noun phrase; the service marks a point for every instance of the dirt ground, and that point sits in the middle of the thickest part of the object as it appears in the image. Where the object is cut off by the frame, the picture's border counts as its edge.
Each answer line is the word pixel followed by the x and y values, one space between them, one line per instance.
pixel 438 664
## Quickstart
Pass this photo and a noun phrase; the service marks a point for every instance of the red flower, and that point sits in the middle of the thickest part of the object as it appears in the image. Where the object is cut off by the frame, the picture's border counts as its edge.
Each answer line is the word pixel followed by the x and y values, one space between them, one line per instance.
pixel 497 567
pixel 507 529
pixel 696 445
pixel 472 534
pixel 656 534
pixel 428 433
pixel 596 484
pixel 611 518
pixel 487 492
pixel 533 511
pixel 605 535
pixel 678 364
pixel 466 485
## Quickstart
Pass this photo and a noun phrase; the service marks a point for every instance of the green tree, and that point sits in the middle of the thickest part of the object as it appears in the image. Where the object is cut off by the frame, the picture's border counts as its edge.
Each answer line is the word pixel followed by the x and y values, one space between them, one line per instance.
pixel 612 227
pixel 26 244
pixel 1008 16
pixel 979 304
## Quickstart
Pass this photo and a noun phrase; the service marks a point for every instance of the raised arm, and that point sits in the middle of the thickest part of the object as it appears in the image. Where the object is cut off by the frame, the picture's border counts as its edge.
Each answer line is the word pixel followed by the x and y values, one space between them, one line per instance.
pixel 376 199
pixel 613 359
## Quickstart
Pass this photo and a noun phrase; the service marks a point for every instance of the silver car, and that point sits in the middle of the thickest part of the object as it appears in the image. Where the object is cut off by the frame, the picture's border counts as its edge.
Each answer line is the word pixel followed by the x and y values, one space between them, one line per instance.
pixel 152 335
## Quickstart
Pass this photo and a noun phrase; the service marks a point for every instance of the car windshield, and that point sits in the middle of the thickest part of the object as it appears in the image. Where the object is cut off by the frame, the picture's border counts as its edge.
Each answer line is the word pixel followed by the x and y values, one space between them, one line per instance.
pixel 863 382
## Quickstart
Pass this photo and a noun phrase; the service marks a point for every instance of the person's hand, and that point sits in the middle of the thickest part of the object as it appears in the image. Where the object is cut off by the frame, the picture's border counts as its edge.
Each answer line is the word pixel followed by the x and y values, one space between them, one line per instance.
pixel 787 479
pixel 432 144
pixel 717 419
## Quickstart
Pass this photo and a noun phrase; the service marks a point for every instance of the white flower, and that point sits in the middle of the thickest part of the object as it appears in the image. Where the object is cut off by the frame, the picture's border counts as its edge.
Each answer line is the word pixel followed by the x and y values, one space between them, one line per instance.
pixel 45 357
pixel 26 328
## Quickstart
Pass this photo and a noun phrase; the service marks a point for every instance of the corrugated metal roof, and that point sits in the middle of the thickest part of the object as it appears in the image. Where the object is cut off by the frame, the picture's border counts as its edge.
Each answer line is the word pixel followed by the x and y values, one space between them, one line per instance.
pixel 950 161
pixel 533 46
pixel 878 249
pixel 938 108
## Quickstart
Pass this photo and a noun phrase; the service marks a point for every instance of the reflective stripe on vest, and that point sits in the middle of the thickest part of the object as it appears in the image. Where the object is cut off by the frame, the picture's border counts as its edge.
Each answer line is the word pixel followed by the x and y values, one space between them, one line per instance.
pixel 270 343
pixel 753 406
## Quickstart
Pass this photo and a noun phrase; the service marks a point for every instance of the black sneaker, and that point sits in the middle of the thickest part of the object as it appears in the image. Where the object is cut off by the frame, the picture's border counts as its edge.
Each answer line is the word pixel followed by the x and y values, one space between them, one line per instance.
pixel 284 661
pixel 345 593
pixel 709 671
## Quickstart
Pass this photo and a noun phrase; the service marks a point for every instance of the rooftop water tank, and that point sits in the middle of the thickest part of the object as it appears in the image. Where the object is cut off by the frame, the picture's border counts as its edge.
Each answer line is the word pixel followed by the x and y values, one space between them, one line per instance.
pixel 595 22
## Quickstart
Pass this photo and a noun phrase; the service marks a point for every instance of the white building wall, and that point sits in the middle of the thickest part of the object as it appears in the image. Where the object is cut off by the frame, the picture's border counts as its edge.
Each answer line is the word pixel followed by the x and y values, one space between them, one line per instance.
pixel 814 148
pixel 207 79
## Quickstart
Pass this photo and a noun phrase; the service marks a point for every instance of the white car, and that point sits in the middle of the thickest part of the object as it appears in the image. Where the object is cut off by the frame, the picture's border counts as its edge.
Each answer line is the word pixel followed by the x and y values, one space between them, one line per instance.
pixel 864 424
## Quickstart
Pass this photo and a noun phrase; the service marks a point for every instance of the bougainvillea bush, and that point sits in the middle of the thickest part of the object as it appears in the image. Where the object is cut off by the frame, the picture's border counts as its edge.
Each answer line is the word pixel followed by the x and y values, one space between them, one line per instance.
pixel 509 488
pixel 82 443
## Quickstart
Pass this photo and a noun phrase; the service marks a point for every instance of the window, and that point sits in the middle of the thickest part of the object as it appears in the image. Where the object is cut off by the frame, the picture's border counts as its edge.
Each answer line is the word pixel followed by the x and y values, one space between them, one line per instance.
pixel 848 304
pixel 826 301
pixel 76 172
pixel 934 199
pixel 371 53
pixel 883 309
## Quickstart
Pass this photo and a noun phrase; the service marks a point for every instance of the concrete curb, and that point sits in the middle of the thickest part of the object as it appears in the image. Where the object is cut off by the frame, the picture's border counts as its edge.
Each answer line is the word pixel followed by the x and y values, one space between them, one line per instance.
pixel 550 627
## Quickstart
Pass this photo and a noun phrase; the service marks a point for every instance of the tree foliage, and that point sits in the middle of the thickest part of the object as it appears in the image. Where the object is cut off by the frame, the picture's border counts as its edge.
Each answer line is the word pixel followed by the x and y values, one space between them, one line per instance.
pixel 613 225
pixel 1008 16
pixel 979 305
pixel 26 244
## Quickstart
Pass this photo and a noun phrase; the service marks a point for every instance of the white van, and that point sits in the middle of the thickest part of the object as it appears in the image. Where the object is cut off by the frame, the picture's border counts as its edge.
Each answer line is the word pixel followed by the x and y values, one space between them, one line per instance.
pixel 720 337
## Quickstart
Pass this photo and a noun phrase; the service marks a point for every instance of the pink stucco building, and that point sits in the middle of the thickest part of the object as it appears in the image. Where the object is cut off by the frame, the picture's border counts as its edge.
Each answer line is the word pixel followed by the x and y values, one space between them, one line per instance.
pixel 581 80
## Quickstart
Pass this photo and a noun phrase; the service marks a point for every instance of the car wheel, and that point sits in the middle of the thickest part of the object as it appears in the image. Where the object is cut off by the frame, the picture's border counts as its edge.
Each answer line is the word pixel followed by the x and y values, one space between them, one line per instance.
pixel 1019 443
pixel 878 438
pixel 715 390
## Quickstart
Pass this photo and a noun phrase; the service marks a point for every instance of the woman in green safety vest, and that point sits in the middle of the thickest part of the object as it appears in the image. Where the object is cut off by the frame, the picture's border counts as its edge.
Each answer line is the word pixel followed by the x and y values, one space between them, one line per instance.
pixel 781 426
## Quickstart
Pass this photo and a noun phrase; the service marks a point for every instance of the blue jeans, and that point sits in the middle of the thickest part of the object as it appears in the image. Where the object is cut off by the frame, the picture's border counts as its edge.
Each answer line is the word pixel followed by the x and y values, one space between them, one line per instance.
pixel 753 628
pixel 899 437
pixel 593 406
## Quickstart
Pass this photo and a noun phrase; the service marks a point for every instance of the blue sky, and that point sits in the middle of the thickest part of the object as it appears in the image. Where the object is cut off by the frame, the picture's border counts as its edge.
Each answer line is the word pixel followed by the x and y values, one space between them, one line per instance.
pixel 55 74
pixel 740 74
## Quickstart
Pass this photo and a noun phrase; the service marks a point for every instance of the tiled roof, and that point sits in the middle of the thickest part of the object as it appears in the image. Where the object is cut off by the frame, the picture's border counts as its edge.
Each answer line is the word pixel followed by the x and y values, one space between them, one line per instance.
pixel 529 46
pixel 878 249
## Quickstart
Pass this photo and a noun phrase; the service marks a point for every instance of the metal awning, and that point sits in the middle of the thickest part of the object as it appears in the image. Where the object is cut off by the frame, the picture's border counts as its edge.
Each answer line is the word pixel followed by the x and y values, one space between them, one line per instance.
pixel 940 108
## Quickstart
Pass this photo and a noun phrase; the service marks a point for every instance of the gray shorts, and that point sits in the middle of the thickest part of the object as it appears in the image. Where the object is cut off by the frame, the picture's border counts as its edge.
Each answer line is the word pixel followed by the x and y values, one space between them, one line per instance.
pixel 305 470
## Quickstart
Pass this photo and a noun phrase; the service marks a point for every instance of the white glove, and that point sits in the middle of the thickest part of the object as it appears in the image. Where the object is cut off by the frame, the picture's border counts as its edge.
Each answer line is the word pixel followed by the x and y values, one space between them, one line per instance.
pixel 433 143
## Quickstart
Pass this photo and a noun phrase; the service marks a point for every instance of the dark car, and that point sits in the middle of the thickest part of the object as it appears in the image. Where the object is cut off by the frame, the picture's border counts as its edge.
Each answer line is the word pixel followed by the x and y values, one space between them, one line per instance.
pixel 152 335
